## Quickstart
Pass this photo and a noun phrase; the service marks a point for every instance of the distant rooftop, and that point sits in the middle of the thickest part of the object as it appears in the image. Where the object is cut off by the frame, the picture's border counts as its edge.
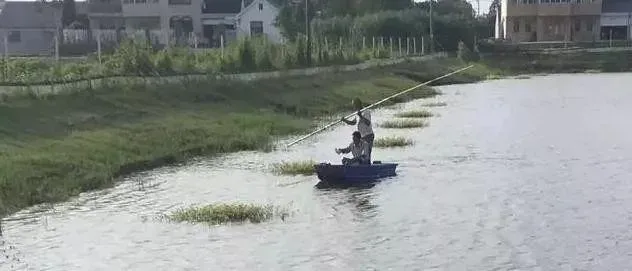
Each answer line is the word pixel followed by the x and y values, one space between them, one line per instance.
pixel 32 14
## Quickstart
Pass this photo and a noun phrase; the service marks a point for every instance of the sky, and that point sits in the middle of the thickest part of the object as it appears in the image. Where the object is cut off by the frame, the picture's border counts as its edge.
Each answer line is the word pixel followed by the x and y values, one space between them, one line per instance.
pixel 484 3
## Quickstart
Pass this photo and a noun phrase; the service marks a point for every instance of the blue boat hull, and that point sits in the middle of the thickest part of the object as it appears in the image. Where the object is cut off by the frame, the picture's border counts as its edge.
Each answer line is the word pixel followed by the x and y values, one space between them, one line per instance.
pixel 354 174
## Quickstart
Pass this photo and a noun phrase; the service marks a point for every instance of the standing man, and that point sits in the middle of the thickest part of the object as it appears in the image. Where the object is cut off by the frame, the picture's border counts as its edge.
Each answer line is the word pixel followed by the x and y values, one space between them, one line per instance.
pixel 364 125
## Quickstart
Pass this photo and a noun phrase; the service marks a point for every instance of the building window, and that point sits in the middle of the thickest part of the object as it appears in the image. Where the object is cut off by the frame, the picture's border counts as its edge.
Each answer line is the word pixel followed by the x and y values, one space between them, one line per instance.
pixel 578 26
pixel 589 25
pixel 256 28
pixel 260 6
pixel 14 36
pixel 527 27
pixel 516 26
pixel 179 2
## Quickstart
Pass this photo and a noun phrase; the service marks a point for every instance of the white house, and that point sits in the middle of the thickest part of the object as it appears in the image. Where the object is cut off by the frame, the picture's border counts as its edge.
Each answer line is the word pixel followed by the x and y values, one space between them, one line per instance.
pixel 258 19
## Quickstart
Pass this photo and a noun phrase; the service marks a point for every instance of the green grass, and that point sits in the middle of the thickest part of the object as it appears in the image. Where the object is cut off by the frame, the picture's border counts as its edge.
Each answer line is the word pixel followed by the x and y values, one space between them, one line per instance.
pixel 295 168
pixel 403 124
pixel 225 213
pixel 415 114
pixel 390 142
pixel 53 147
pixel 435 104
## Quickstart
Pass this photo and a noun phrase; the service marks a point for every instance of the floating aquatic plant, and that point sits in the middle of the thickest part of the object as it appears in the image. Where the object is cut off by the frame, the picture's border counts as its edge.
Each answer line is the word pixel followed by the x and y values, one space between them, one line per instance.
pixel 403 124
pixel 435 104
pixel 295 168
pixel 389 142
pixel 226 213
pixel 415 114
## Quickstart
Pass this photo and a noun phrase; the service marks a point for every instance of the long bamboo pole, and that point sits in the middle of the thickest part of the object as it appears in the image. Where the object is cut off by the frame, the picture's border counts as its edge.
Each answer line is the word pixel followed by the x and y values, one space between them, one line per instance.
pixel 378 103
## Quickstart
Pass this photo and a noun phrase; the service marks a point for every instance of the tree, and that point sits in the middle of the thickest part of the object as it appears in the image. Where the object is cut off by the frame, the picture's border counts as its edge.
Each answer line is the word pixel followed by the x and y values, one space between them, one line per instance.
pixel 460 8
pixel 396 4
pixel 494 9
pixel 68 12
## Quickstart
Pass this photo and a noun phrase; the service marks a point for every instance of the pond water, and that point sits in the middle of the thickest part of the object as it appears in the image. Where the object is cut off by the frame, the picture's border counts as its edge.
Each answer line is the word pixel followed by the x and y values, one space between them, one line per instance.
pixel 527 174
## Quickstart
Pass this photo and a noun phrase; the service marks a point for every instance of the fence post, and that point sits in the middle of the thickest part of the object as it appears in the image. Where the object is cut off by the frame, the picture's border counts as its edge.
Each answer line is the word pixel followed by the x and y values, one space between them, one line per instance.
pixel 57 47
pixel 363 43
pixel 326 45
pixel 400 46
pixel 381 42
pixel 340 43
pixel 221 42
pixel 352 44
pixel 414 46
pixel 423 47
pixel 407 45
pixel 99 45
pixel 373 44
pixel 6 56
pixel 390 42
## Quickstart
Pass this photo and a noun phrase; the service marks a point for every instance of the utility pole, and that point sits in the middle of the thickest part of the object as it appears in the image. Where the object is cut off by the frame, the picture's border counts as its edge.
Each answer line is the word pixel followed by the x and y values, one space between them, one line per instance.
pixel 431 31
pixel 478 7
pixel 308 50
pixel 478 15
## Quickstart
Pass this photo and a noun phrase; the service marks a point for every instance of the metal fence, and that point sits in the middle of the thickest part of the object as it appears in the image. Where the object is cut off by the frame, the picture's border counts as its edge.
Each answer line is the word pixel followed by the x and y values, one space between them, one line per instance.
pixel 73 44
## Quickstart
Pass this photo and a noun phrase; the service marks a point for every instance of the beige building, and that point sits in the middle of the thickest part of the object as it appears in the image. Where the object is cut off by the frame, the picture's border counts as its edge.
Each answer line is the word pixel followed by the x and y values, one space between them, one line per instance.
pixel 549 20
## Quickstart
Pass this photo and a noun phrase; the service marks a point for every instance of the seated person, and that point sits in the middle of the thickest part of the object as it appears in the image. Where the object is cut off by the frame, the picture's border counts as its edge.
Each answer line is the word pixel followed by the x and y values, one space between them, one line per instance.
pixel 359 149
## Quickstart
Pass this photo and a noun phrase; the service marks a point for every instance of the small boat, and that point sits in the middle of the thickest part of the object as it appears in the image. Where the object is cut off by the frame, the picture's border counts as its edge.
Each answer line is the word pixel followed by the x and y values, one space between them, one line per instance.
pixel 347 175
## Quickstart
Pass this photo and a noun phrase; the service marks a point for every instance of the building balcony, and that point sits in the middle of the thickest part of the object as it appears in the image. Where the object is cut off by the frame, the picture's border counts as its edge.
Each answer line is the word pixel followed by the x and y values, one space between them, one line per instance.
pixel 587 8
pixel 141 8
pixel 553 9
pixel 105 7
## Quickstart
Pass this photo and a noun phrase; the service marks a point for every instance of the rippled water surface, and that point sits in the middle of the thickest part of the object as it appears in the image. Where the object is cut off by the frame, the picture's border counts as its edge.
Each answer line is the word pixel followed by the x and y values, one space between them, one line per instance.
pixel 528 174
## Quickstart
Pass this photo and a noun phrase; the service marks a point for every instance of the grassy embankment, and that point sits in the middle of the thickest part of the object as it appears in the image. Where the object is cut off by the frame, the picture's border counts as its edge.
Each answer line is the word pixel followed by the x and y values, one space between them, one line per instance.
pixel 56 146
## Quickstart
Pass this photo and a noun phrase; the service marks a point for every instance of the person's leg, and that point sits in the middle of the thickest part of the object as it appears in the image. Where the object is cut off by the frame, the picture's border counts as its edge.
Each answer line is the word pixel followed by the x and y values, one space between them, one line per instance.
pixel 345 161
pixel 351 161
pixel 369 139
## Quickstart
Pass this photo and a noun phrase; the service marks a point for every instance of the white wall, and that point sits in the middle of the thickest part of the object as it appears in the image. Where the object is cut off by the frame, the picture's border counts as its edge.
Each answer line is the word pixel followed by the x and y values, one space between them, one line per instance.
pixel 267 15
pixel 165 11
pixel 33 41
pixel 615 19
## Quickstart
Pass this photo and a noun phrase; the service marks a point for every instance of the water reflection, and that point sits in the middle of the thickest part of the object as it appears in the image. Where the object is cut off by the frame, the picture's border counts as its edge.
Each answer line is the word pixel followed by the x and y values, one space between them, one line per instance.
pixel 363 201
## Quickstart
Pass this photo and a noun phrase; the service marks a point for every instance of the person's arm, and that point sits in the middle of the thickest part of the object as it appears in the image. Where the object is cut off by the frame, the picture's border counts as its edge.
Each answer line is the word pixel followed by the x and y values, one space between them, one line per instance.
pixel 365 117
pixel 349 122
pixel 346 150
